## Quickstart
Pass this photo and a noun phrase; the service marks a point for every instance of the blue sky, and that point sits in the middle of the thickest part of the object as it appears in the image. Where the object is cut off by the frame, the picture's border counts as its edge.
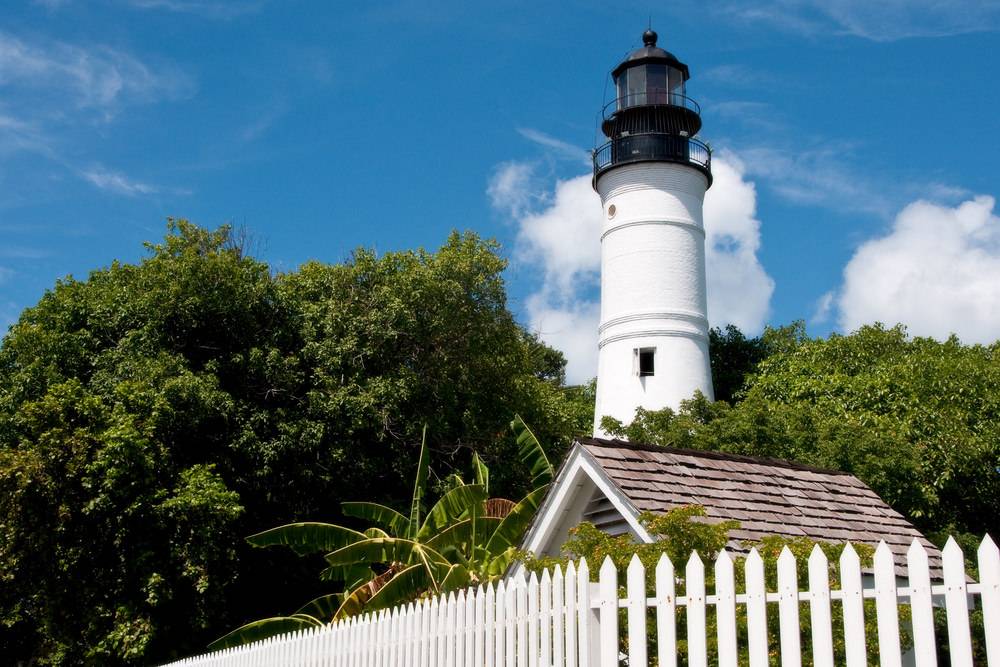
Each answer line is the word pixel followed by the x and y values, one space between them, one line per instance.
pixel 856 144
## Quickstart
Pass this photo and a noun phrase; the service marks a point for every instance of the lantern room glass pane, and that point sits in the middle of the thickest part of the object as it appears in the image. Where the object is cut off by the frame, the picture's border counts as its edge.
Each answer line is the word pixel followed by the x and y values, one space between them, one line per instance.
pixel 636 86
pixel 656 84
pixel 676 86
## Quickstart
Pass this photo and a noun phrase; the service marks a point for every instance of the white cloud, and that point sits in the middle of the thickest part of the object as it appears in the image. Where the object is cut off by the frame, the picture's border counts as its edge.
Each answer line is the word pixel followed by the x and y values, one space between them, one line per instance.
pixel 116 182
pixel 880 21
pixel 47 75
pixel 559 233
pixel 937 271
pixel 739 289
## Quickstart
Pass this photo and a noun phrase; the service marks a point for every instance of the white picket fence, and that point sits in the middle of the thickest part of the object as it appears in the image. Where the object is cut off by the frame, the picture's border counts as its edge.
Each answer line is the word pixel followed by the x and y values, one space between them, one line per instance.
pixel 561 619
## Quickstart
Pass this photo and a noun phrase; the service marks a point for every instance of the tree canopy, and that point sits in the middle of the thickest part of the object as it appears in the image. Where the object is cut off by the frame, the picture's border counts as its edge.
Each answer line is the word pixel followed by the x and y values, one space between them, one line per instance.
pixel 154 414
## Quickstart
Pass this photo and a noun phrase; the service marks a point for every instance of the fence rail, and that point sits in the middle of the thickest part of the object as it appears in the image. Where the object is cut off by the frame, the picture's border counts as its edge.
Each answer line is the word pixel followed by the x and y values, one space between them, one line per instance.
pixel 561 619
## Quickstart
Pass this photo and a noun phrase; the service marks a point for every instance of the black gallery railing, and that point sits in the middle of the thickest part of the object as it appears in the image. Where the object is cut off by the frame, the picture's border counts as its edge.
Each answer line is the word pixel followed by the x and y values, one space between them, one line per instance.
pixel 653 147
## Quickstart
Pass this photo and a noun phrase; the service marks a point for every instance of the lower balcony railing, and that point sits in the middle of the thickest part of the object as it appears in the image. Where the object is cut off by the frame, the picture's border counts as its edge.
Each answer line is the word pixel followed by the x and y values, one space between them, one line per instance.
pixel 653 147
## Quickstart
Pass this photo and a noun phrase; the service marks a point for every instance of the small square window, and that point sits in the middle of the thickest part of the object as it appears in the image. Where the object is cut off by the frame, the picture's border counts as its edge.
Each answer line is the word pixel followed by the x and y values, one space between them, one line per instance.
pixel 647 356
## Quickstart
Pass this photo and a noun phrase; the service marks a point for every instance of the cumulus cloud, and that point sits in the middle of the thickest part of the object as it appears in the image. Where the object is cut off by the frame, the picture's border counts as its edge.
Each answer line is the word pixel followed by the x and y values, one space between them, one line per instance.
pixel 559 229
pixel 936 271
pixel 739 289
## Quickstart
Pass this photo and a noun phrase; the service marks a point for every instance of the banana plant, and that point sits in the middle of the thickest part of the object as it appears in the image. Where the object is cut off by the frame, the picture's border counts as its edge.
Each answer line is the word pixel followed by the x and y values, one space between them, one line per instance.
pixel 465 538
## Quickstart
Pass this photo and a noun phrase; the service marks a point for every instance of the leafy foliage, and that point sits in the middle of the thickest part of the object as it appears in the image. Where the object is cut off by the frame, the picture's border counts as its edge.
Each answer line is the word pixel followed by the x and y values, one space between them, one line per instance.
pixel 465 538
pixel 154 413
pixel 916 419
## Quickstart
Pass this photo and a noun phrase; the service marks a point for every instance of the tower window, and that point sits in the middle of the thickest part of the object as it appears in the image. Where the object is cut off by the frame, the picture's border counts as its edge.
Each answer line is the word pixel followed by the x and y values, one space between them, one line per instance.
pixel 645 357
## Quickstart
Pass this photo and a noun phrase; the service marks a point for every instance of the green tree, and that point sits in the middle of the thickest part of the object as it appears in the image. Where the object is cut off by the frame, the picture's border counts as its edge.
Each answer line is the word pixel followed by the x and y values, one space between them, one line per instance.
pixel 916 419
pixel 154 413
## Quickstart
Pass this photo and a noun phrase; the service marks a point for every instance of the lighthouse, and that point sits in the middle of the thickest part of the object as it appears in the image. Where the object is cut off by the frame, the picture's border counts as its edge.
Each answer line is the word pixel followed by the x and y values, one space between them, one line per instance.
pixel 651 175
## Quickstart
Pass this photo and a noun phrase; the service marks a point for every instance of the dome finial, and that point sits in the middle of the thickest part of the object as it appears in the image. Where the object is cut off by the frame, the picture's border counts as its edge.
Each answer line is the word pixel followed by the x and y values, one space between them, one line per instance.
pixel 649 37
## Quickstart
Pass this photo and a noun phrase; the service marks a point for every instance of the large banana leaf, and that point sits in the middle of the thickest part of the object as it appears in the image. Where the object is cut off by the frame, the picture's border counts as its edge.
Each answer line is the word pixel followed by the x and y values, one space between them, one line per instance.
pixel 512 528
pixel 390 550
pixel 264 628
pixel 405 586
pixel 531 453
pixel 419 486
pixel 307 537
pixel 452 505
pixel 481 472
pixel 462 533
pixel 457 577
pixel 380 515
pixel 324 607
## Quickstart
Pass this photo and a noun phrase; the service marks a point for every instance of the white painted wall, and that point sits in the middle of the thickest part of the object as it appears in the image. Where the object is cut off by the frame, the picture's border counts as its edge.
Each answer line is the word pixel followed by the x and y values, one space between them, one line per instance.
pixel 652 288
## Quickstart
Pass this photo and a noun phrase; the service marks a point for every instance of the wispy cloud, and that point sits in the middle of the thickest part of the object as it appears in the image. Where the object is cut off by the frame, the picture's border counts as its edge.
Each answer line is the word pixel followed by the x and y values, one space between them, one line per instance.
pixel 880 21
pixel 45 77
pixel 556 147
pixel 224 9
pixel 116 182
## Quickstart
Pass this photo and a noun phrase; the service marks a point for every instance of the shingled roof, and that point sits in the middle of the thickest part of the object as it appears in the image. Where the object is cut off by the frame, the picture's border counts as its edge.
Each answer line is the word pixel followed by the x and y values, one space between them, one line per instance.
pixel 766 496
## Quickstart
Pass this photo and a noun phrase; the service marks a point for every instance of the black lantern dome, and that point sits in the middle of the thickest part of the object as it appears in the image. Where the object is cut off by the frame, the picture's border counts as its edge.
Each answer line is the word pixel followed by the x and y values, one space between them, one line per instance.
pixel 651 118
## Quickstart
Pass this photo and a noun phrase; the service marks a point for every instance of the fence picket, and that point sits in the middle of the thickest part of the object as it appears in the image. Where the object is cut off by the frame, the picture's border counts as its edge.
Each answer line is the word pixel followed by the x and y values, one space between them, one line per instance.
pixel 481 630
pixel 510 625
pixel 425 634
pixel 694 591
pixel 499 627
pixel 885 607
pixel 489 627
pixel 666 621
pixel 521 602
pixel 725 610
pixel 855 652
pixel 545 620
pixel 608 626
pixel 461 625
pixel 753 571
pixel 584 635
pixel 570 615
pixel 470 631
pixel 788 610
pixel 819 608
pixel 533 620
pixel 959 640
pixel 989 581
pixel 558 614
pixel 921 606
pixel 636 593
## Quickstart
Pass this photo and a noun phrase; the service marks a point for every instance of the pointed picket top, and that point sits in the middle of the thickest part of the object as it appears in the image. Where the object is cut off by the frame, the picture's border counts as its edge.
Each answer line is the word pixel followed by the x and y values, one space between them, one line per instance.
pixel 885 607
pixel 989 581
pixel 608 569
pixel 725 605
pixel 819 607
pixel 959 640
pixel 664 567
pixel 694 564
pixel 583 570
pixel 546 578
pixel 788 610
pixel 519 579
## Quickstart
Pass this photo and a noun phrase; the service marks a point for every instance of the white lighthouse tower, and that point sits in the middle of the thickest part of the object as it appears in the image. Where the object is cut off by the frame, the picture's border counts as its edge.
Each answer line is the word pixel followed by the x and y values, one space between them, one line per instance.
pixel 652 175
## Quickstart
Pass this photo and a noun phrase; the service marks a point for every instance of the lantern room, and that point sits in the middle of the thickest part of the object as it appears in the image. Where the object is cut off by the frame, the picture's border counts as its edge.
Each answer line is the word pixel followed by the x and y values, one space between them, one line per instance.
pixel 650 75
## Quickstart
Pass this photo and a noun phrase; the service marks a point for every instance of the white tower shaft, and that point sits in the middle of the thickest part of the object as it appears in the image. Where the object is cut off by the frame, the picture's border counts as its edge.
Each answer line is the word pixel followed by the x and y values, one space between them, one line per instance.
pixel 653 336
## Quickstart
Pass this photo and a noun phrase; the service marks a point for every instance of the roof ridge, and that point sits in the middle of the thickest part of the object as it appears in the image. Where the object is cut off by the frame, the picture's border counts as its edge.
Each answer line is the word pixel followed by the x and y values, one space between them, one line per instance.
pixel 708 454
